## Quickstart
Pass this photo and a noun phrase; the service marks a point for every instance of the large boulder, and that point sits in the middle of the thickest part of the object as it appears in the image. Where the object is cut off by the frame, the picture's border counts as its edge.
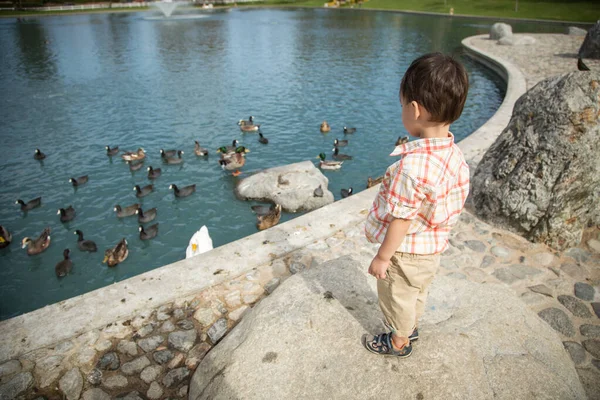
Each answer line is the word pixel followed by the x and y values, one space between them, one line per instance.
pixel 500 30
pixel 541 177
pixel 476 342
pixel 590 48
pixel 293 186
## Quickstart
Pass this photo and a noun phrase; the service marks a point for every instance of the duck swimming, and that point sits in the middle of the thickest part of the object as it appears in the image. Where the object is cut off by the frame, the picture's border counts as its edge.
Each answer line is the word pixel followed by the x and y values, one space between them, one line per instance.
pixel 262 139
pixel 85 245
pixel 5 237
pixel 135 165
pixel 148 233
pixel 145 216
pixel 346 192
pixel 31 204
pixel 174 160
pixel 140 154
pixel 38 245
pixel 117 254
pixel 144 191
pixel 127 211
pixel 234 161
pixel 38 155
pixel 199 243
pixel 263 210
pixel 270 219
pixel 198 150
pixel 339 156
pixel 79 181
pixel 250 121
pixel 349 130
pixel 66 214
pixel 340 143
pixel 330 165
pixel 168 153
pixel 154 173
pixel 112 152
pixel 228 149
pixel 65 266
pixel 184 191
pixel 325 127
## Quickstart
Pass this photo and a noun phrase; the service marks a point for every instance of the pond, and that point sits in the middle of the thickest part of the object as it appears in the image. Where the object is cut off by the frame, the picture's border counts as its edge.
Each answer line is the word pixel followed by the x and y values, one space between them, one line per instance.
pixel 71 85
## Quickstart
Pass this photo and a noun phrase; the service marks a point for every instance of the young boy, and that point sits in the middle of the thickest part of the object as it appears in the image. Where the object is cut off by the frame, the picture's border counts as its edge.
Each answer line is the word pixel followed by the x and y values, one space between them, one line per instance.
pixel 420 199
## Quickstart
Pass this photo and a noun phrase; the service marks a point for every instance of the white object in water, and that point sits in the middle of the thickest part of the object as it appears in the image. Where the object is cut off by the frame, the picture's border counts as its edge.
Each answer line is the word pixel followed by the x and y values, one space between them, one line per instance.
pixel 199 243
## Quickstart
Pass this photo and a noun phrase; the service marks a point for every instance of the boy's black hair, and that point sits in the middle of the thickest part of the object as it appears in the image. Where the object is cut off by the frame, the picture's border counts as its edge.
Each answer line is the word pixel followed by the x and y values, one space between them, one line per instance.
pixel 439 83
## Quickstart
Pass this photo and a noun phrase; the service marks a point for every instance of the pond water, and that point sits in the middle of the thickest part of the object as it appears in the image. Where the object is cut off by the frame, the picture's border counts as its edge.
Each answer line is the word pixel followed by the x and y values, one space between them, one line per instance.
pixel 71 85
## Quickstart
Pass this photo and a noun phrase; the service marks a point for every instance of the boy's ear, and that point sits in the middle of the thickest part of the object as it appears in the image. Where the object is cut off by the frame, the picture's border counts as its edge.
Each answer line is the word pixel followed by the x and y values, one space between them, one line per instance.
pixel 415 109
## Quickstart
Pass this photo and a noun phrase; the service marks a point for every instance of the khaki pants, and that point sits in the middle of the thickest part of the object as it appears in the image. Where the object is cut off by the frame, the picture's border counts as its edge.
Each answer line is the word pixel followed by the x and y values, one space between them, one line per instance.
pixel 402 294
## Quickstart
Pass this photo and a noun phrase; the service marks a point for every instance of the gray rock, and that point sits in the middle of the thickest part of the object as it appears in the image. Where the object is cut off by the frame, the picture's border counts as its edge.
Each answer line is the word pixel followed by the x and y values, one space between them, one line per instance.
pixel 584 291
pixel 178 314
pixel 515 272
pixel 236 314
pixel 577 307
pixel 296 195
pixel 135 366
pixel 183 391
pixel 163 356
pixel 151 343
pixel 578 254
pixel 575 271
pixel 196 355
pixel 487 261
pixel 95 377
pixel 167 327
pixel 162 316
pixel 541 177
pixel 558 320
pixel 185 324
pixel 590 48
pixel 130 396
pixel 205 316
pixel 590 330
pixel 596 363
pixel 272 285
pixel 183 340
pixel 103 345
pixel 63 347
pixel 533 299
pixel 155 391
pixel 175 377
pixel 592 346
pixel 109 361
pixel 218 330
pixel 542 259
pixel 575 31
pixel 146 330
pixel 458 311
pixel 95 394
pixel 150 373
pixel 594 245
pixel 17 385
pixel 500 251
pixel 542 289
pixel 116 381
pixel 71 384
pixel 476 245
pixel 500 30
pixel 576 351
pixel 596 308
pixel 127 347
pixel 48 370
pixel 8 369
pixel 457 275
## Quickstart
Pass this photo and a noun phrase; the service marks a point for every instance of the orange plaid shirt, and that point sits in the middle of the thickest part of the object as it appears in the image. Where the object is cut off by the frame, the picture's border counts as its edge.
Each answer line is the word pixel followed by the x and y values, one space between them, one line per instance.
pixel 428 185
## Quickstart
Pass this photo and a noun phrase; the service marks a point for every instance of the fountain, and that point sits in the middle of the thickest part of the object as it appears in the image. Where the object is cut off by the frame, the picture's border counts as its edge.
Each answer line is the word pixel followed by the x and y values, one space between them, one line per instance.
pixel 167 6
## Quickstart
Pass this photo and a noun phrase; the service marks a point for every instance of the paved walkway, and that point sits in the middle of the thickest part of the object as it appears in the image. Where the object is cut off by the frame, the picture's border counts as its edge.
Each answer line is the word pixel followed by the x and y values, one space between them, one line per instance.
pixel 154 353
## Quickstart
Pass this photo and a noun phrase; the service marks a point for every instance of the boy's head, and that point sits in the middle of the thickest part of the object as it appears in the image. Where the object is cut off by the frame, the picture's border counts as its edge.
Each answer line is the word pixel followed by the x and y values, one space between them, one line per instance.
pixel 438 84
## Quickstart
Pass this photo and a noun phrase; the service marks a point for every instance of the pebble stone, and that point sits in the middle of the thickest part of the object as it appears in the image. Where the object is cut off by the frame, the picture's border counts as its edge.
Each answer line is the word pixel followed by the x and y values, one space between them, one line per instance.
pixel 297 266
pixel 174 377
pixel 17 385
pixel 116 381
pixel 127 347
pixel 575 306
pixel 594 245
pixel 236 314
pixel 218 330
pixel 250 298
pixel 109 361
pixel 196 354
pixel 584 291
pixel 167 327
pixel 48 370
pixel 532 299
pixel 176 361
pixel 590 330
pixel 182 340
pixel 95 377
pixel 487 261
pixel 88 338
pixel 146 330
pixel 63 347
pixel 9 368
pixel 543 259
pixel 150 373
pixel 558 320
pixel 130 396
pixel 457 275
pixel 576 351
pixel 151 343
pixel 163 356
pixel 592 346
pixel 542 289
pixel 500 251
pixel 71 384
pixel 596 308
pixel 185 324
pixel 578 254
pixel 86 357
pixel 96 394
pixel 272 285
pixel 476 245
pixel 155 391
pixel 183 391
pixel 178 314
pixel 103 345
pixel 205 316
pixel 135 366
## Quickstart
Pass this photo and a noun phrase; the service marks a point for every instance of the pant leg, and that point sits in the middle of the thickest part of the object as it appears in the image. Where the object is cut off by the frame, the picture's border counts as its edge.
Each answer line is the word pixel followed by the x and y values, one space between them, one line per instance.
pixel 422 297
pixel 403 292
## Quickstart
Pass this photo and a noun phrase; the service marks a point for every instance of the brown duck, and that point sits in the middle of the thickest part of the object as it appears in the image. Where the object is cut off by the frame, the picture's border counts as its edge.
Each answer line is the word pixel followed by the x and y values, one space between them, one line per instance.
pixel 38 245
pixel 117 254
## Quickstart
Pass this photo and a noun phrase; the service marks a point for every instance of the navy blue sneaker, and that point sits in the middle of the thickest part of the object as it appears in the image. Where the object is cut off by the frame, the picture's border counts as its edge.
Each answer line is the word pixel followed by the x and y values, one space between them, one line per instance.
pixel 382 344
pixel 414 336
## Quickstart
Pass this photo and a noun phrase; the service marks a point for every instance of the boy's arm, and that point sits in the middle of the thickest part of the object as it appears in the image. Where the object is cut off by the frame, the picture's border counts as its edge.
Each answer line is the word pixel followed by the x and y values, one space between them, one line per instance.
pixel 393 238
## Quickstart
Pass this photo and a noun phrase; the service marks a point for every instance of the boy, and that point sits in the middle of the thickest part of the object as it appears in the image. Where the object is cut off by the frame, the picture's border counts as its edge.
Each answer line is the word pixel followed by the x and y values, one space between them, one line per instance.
pixel 419 200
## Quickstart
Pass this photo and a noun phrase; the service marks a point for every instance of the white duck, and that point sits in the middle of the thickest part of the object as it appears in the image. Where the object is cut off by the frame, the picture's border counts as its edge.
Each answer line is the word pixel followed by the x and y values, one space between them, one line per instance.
pixel 199 243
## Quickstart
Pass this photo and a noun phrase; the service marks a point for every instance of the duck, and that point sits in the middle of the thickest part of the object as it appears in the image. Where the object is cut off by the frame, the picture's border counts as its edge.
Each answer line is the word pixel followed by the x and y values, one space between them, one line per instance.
pixel 134 166
pixel 5 237
pixel 270 219
pixel 85 245
pixel 31 204
pixel 148 233
pixel 184 191
pixel 340 143
pixel 228 149
pixel 318 192
pixel 372 182
pixel 234 161
pixel 127 211
pixel 349 130
pixel 174 160
pixel 144 191
pixel 326 164
pixel 249 128
pixel 38 155
pixel 145 216
pixel 262 139
pixel 401 140
pixel 346 192
pixel 168 153
pixel 78 181
pixel 66 214
pixel 38 245
pixel 117 254
pixel 140 154
pixel 325 127
pixel 112 152
pixel 200 242
pixel 198 150
pixel 262 210
pixel 65 266
pixel 250 121
pixel 154 173
pixel 339 156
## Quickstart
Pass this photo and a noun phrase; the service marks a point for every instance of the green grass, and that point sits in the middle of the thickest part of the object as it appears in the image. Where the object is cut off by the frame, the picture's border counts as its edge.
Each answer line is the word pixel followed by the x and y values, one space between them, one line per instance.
pixel 577 10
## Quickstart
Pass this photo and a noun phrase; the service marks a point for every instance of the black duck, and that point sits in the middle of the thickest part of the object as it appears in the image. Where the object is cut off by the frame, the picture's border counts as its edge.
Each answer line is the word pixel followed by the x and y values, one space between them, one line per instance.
pixel 85 245
pixel 66 214
pixel 144 191
pixel 127 211
pixel 145 216
pixel 148 233
pixel 65 266
pixel 184 191
pixel 31 204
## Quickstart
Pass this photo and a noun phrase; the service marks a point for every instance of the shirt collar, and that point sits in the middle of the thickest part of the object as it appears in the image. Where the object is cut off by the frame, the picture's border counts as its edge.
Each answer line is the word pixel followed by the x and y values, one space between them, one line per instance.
pixel 432 144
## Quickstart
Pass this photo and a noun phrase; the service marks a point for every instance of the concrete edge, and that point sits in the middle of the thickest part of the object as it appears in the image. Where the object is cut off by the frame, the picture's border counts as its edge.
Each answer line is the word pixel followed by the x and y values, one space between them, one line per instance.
pixel 93 310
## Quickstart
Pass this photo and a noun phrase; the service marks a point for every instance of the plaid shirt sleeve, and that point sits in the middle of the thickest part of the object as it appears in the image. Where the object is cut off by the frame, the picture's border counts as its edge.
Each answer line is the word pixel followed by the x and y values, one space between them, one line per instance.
pixel 405 196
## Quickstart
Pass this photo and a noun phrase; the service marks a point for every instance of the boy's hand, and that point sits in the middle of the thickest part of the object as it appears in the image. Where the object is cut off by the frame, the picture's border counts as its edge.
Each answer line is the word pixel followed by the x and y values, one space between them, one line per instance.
pixel 379 267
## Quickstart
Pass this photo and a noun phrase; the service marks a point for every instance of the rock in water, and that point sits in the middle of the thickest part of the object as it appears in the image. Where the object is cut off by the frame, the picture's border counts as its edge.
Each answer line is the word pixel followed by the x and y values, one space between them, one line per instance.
pixel 590 48
pixel 541 178
pixel 500 30
pixel 261 358
pixel 292 186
